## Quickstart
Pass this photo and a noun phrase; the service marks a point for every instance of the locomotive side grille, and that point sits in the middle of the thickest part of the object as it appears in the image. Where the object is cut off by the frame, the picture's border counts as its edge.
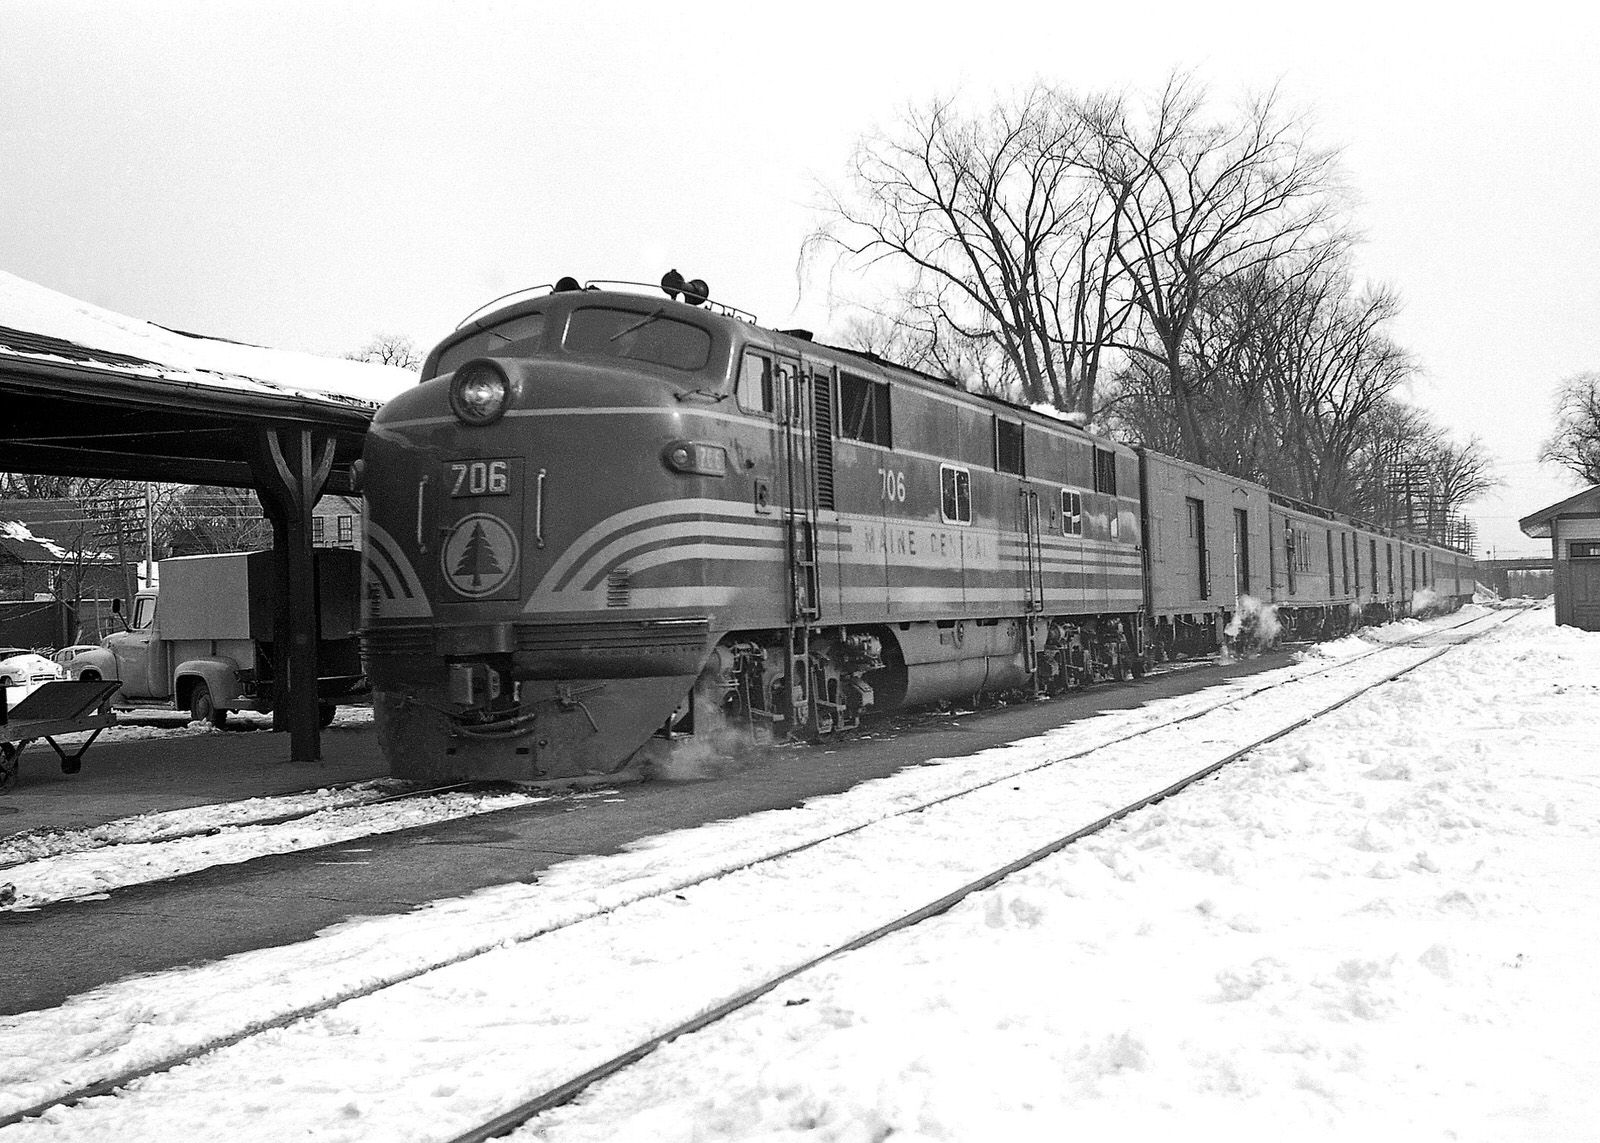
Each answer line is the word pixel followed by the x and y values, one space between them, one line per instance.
pixel 822 423
pixel 611 636
pixel 618 591
pixel 611 649
pixel 595 649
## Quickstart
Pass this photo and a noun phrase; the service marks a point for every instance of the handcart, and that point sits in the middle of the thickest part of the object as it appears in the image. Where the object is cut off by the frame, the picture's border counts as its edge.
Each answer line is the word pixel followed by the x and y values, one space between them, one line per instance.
pixel 54 709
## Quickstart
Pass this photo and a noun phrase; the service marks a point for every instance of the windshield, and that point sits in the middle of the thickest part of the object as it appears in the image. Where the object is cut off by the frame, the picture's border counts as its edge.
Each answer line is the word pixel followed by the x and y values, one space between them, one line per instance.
pixel 515 337
pixel 650 336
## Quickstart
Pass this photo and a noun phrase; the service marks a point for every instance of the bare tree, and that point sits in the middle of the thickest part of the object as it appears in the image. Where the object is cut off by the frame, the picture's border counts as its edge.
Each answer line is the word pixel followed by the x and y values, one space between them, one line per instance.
pixel 389 349
pixel 1205 200
pixel 1575 443
pixel 1002 234
pixel 1461 474
pixel 204 520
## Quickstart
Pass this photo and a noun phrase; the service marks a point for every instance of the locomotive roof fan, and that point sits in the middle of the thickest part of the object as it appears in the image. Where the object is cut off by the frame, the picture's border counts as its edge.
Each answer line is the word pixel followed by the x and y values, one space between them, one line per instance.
pixel 694 291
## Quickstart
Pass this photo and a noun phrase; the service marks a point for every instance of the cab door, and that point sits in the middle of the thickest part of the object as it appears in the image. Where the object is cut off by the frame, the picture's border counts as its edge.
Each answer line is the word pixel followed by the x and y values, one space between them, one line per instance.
pixel 137 651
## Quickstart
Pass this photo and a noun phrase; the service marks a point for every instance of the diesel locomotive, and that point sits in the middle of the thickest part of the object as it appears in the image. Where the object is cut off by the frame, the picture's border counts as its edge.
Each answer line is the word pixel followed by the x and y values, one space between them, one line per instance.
pixel 610 517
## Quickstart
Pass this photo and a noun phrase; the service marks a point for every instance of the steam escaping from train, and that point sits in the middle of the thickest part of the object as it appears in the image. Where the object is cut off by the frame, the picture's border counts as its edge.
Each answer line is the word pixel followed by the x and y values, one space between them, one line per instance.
pixel 1254 628
pixel 719 745
pixel 1426 603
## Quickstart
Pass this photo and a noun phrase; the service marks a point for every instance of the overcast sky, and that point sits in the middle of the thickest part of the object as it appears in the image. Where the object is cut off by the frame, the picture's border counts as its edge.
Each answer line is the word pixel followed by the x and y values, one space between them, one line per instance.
pixel 304 175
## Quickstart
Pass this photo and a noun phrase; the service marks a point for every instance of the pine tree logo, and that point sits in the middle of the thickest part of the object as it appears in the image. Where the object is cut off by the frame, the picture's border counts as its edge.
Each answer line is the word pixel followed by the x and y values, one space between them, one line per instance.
pixel 480 555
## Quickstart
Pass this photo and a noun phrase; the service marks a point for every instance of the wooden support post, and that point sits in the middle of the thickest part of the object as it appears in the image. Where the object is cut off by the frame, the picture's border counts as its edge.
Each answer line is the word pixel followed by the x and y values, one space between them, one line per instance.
pixel 291 466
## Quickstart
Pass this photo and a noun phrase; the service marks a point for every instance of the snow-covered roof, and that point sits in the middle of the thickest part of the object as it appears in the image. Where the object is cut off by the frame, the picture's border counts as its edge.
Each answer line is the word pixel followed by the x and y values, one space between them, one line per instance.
pixel 37 323
pixel 1537 525
pixel 18 539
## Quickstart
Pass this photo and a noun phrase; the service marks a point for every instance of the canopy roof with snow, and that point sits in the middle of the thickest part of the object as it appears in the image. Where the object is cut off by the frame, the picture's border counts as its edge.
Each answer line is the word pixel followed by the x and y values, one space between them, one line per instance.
pixel 39 323
pixel 92 392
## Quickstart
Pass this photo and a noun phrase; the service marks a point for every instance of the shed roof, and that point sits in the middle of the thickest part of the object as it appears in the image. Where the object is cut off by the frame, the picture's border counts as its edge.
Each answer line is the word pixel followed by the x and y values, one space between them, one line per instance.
pixel 1538 524
pixel 89 392
pixel 39 323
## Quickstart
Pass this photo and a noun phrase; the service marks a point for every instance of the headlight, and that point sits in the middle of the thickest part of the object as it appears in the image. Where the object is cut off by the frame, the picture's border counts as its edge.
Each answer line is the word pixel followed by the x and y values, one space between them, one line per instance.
pixel 480 392
pixel 695 457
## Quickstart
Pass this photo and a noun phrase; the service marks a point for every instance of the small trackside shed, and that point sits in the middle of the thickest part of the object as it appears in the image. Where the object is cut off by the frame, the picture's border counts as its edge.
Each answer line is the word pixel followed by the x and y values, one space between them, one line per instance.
pixel 1573 529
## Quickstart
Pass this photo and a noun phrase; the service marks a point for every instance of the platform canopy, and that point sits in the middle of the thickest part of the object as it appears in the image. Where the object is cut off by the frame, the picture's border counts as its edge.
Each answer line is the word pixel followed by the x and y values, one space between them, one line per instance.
pixel 88 392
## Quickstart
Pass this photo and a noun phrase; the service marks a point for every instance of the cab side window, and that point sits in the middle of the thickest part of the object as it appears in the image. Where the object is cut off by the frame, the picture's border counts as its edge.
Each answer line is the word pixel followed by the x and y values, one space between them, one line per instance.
pixel 754 391
pixel 1071 514
pixel 955 494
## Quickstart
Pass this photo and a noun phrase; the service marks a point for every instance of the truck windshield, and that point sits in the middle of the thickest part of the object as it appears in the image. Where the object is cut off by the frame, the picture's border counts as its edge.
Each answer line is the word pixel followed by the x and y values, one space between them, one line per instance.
pixel 144 612
pixel 649 336
pixel 520 336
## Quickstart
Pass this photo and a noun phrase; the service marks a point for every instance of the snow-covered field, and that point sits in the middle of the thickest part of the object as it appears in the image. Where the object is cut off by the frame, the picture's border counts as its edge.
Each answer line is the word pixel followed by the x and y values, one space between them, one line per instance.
pixel 1375 925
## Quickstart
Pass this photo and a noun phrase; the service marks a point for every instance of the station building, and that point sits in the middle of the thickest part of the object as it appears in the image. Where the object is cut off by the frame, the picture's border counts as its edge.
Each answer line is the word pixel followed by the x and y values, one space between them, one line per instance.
pixel 1573 529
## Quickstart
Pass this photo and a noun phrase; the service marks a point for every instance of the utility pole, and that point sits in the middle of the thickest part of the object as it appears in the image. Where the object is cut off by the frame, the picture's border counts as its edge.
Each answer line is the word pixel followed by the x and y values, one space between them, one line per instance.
pixel 149 537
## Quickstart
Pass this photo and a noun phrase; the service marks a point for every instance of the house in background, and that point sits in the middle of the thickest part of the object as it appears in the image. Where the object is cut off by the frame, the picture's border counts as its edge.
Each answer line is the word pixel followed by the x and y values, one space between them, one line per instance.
pixel 52 591
pixel 48 548
pixel 336 522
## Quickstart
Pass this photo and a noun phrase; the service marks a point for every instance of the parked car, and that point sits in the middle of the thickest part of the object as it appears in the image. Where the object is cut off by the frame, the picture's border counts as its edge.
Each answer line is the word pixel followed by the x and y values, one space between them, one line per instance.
pixel 23 671
pixel 66 655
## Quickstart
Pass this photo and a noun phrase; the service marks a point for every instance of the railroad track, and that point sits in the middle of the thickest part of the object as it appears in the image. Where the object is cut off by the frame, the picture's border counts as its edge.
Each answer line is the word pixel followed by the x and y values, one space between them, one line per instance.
pixel 25 849
pixel 1051 786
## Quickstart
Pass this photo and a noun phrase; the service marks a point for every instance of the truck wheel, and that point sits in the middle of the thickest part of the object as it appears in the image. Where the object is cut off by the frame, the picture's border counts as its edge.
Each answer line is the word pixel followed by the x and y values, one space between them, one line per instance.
pixel 325 713
pixel 201 708
pixel 89 676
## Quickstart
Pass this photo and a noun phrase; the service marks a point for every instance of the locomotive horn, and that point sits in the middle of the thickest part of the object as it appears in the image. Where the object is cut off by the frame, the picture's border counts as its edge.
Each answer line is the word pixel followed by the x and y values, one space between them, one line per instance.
pixel 696 292
pixel 672 284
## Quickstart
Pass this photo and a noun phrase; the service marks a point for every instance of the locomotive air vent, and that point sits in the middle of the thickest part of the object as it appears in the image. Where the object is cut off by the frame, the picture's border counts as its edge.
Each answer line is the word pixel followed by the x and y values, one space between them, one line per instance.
pixel 798 334
pixel 617 589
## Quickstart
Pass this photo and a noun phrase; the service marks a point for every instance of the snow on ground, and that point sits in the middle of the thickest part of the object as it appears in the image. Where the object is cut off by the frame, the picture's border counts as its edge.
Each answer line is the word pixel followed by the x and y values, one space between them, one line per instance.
pixel 1323 940
pixel 113 1030
pixel 143 723
pixel 1381 929
pixel 167 824
pixel 85 864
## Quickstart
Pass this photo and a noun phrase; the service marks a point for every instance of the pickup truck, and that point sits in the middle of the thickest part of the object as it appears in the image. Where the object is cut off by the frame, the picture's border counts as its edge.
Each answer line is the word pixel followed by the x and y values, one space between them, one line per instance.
pixel 201 640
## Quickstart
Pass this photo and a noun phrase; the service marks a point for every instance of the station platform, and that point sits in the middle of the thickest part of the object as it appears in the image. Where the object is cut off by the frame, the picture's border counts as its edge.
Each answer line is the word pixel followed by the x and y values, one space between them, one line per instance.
pixel 139 775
